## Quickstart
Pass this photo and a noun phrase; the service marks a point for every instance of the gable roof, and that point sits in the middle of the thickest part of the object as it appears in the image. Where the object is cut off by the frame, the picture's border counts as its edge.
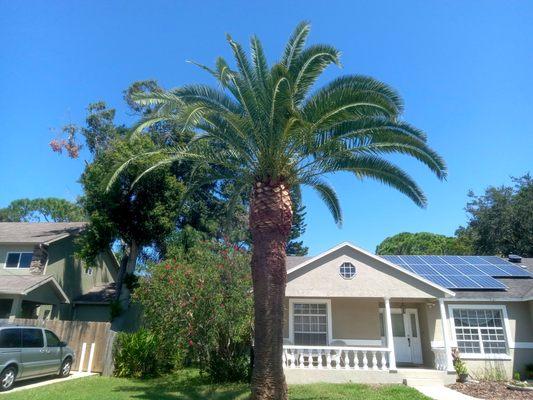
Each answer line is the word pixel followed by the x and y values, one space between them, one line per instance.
pixel 38 232
pixel 309 260
pixel 24 284
pixel 518 289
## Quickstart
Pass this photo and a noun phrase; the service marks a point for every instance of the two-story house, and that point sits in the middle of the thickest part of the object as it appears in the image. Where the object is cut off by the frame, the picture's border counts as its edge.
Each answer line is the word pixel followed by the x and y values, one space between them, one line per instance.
pixel 40 276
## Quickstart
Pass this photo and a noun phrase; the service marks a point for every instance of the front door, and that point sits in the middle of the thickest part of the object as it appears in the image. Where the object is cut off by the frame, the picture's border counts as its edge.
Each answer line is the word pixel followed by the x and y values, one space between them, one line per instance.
pixel 406 336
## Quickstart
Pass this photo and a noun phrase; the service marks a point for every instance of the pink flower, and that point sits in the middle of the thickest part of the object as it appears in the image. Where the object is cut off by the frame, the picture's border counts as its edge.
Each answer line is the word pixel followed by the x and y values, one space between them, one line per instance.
pixel 191 343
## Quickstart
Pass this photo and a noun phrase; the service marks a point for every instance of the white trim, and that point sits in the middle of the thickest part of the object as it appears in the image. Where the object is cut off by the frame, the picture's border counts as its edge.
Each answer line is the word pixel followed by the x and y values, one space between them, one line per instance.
pixel 469 356
pixel 488 299
pixel 375 257
pixel 360 342
pixel 44 281
pixel 506 328
pixel 18 263
pixel 311 301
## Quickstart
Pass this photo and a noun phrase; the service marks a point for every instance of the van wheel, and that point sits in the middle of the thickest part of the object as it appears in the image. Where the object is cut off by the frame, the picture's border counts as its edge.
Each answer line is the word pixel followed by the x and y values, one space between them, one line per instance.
pixel 7 378
pixel 65 368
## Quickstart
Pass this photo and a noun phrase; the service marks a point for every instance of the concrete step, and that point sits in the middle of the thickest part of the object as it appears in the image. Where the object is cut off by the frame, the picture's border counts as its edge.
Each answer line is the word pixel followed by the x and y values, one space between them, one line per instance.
pixel 414 382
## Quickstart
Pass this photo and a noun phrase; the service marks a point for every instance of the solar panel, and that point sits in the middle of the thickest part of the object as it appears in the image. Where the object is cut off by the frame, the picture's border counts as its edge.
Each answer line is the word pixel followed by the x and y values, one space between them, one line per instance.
pixel 461 272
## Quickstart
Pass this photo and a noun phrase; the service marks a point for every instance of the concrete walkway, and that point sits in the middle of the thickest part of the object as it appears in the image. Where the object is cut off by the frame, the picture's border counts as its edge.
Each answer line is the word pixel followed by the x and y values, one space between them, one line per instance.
pixel 38 382
pixel 441 392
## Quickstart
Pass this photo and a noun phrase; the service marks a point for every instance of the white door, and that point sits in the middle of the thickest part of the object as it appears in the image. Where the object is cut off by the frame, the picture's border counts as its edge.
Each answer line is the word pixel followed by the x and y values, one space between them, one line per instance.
pixel 406 336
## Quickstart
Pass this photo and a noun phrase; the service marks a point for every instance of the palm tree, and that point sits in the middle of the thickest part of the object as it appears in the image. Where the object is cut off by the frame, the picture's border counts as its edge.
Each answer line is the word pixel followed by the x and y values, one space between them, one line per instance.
pixel 267 132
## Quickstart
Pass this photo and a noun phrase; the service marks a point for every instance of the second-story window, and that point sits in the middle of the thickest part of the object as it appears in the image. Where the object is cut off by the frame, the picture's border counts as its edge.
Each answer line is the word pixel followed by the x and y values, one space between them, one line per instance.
pixel 18 260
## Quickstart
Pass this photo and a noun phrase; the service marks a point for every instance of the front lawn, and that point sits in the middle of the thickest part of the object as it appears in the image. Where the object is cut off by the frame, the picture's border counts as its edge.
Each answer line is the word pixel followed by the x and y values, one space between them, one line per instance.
pixel 188 385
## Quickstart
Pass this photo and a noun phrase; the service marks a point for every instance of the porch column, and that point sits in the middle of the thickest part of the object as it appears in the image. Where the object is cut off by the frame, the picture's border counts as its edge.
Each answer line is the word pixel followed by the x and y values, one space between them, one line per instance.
pixel 446 336
pixel 388 332
pixel 15 307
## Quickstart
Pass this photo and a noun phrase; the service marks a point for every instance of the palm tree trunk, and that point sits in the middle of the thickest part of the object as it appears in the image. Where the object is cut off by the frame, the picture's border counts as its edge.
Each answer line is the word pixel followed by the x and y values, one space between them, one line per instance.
pixel 270 225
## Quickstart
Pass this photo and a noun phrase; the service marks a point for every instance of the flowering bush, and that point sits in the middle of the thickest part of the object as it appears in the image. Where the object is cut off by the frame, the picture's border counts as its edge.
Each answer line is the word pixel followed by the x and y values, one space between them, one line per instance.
pixel 200 308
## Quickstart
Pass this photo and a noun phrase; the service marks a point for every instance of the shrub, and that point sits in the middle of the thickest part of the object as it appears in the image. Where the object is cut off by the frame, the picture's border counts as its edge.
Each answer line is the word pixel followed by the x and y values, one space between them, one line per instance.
pixel 135 355
pixel 200 306
pixel 529 371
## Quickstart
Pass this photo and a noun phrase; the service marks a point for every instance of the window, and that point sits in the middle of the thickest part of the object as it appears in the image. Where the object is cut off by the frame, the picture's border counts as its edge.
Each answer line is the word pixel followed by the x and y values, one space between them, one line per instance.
pixel 51 339
pixel 10 338
pixel 18 260
pixel 310 324
pixel 32 338
pixel 480 331
pixel 347 270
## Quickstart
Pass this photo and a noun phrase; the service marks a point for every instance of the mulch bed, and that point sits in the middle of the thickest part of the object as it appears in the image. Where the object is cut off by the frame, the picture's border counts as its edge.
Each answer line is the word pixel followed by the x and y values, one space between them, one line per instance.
pixel 491 391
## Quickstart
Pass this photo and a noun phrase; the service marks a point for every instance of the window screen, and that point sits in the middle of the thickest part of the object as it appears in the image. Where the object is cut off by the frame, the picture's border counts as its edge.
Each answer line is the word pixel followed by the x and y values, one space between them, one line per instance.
pixel 479 331
pixel 310 324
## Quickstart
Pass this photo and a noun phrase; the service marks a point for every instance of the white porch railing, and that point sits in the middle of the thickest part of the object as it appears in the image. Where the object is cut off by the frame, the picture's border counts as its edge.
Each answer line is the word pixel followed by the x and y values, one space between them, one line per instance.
pixel 329 357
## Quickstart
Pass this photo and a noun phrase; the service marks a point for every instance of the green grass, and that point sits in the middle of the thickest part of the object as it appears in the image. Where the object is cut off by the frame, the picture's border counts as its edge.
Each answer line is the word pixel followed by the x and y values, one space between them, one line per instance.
pixel 188 385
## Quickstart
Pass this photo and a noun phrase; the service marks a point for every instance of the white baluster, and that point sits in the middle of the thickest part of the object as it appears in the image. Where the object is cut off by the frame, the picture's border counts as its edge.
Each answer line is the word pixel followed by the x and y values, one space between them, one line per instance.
pixel 302 358
pixel 365 360
pixel 345 359
pixel 384 355
pixel 328 359
pixel 374 361
pixel 355 359
pixel 319 359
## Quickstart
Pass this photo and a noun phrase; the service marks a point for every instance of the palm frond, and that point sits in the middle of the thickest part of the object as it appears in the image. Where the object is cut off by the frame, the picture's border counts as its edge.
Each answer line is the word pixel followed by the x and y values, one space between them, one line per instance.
pixel 296 43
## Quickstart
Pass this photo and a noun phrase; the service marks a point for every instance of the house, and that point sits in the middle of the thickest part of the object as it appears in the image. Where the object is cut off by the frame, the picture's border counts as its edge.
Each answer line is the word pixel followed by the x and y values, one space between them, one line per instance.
pixel 40 276
pixel 351 315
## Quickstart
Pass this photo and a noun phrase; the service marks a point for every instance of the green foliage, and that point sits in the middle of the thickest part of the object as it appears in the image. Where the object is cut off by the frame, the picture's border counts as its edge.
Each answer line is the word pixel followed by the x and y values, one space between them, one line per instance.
pixel 131 281
pixel 516 376
pixel 200 304
pixel 295 247
pixel 136 355
pixel 115 309
pixel 145 215
pixel 423 243
pixel 501 220
pixel 49 209
pixel 265 123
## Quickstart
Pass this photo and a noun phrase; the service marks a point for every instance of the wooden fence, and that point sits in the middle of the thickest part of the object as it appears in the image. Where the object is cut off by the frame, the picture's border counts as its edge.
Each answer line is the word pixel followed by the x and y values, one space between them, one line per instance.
pixel 91 341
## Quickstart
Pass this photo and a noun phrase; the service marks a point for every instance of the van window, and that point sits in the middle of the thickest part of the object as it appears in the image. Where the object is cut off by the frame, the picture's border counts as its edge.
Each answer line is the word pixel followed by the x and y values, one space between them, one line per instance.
pixel 51 339
pixel 32 338
pixel 10 338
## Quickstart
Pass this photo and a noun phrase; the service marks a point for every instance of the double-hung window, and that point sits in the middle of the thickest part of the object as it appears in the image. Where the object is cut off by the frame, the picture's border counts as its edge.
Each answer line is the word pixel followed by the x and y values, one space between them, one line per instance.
pixel 310 324
pixel 18 260
pixel 480 331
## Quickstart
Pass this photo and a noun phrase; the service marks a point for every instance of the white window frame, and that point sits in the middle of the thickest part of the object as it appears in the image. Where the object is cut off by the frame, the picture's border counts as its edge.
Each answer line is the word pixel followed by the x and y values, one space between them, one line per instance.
pixel 506 330
pixel 18 264
pixel 327 302
pixel 354 272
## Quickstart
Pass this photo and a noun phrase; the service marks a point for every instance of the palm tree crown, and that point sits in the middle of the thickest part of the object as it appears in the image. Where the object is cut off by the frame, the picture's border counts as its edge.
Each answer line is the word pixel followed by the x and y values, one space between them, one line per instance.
pixel 266 123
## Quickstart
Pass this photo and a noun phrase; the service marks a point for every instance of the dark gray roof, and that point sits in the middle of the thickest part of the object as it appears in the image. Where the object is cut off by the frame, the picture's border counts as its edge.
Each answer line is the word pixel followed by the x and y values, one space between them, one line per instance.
pixel 37 232
pixel 19 284
pixel 294 261
pixel 103 294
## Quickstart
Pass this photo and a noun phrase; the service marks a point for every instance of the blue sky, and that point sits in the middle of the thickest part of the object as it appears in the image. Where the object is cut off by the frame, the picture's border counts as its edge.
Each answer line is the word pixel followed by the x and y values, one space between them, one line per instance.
pixel 463 68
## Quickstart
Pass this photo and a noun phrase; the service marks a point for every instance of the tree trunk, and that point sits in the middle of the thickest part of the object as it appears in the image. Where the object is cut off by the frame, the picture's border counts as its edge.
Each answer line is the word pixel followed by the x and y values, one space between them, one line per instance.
pixel 127 266
pixel 270 225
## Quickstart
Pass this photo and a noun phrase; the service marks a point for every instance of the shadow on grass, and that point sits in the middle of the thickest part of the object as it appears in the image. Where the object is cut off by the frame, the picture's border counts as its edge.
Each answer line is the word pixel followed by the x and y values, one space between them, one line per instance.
pixel 185 386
